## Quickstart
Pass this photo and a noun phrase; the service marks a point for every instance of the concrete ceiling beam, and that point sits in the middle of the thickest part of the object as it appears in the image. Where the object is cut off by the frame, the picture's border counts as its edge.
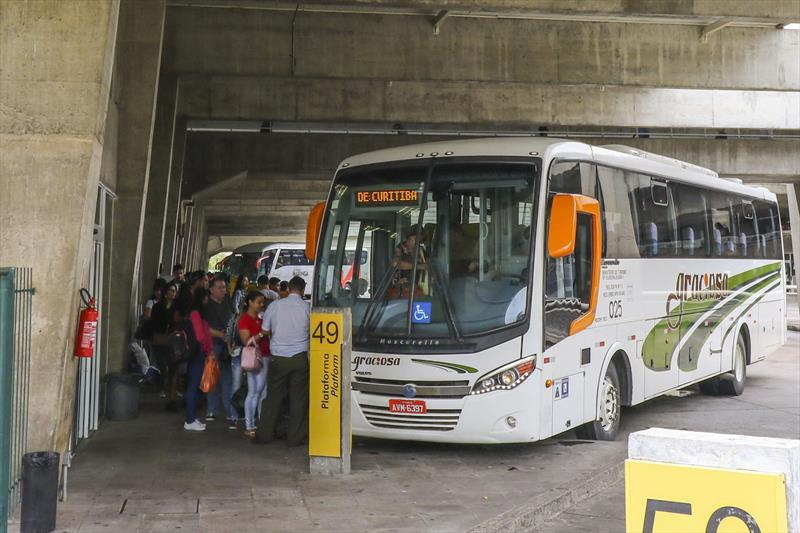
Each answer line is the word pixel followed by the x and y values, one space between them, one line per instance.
pixel 238 97
pixel 714 27
pixel 770 13
pixel 395 49
pixel 284 154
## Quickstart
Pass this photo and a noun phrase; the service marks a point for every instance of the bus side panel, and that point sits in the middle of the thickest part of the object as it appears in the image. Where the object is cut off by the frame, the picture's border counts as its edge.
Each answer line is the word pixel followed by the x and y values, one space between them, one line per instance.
pixel 575 365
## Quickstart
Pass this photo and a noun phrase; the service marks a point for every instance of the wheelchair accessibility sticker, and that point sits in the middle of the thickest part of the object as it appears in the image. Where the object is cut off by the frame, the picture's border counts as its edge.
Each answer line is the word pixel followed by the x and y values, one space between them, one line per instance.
pixel 422 313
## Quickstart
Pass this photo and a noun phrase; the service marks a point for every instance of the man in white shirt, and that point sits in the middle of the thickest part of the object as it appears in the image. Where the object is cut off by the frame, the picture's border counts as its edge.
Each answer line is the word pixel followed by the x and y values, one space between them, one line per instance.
pixel 287 323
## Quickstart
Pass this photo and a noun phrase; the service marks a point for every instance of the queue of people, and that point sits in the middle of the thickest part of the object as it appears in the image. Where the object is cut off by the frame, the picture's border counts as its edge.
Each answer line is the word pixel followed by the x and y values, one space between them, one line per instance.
pixel 189 319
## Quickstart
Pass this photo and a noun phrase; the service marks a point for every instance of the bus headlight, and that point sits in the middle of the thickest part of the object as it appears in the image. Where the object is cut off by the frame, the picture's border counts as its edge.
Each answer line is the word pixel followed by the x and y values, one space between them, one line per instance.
pixel 506 377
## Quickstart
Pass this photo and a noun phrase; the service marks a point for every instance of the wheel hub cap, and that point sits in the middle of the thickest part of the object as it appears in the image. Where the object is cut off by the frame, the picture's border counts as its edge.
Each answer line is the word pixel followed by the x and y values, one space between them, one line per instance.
pixel 609 411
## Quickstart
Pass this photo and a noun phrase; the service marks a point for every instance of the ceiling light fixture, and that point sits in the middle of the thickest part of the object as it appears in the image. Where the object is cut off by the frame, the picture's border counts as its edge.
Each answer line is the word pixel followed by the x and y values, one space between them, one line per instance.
pixel 789 26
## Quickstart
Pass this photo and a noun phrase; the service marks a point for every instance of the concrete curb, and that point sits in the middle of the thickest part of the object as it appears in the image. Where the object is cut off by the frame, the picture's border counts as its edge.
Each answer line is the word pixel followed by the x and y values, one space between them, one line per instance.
pixel 534 513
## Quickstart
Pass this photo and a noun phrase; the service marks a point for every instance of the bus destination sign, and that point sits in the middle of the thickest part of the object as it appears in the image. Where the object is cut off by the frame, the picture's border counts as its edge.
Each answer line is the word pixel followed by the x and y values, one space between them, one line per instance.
pixel 387 198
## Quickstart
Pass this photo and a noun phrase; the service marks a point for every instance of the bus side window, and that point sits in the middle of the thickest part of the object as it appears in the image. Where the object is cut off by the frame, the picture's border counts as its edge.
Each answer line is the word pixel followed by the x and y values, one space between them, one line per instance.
pixel 691 216
pixel 723 234
pixel 572 177
pixel 619 215
pixel 650 201
pixel 748 241
pixel 768 228
pixel 568 284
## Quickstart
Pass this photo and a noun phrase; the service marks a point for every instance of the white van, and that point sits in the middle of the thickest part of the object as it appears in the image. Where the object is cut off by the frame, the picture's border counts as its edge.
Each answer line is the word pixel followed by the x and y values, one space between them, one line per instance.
pixel 286 260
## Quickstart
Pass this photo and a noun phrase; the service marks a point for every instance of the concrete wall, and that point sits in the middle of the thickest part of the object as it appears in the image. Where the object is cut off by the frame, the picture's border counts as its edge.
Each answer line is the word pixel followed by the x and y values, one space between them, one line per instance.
pixel 137 70
pixel 57 61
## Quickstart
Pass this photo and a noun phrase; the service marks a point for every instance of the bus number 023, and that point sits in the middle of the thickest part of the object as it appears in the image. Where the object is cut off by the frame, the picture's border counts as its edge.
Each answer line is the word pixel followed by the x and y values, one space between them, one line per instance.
pixel 615 309
pixel 329 334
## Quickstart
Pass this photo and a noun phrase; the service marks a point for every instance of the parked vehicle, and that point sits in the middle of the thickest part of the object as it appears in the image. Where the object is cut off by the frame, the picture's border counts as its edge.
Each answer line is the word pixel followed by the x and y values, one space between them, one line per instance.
pixel 526 287
pixel 284 261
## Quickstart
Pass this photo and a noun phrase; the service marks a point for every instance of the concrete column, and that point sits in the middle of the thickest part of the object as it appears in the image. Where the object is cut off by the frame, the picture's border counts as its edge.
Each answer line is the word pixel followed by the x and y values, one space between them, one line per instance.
pixel 793 193
pixel 140 37
pixel 57 62
pixel 159 182
pixel 168 254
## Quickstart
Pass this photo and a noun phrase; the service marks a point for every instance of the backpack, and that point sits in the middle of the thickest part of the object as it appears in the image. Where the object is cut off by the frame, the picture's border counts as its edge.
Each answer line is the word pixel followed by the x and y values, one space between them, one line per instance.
pixel 183 342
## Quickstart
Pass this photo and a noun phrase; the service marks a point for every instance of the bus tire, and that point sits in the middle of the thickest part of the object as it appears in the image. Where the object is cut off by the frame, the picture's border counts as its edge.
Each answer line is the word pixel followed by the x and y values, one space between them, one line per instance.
pixel 732 383
pixel 610 409
pixel 710 387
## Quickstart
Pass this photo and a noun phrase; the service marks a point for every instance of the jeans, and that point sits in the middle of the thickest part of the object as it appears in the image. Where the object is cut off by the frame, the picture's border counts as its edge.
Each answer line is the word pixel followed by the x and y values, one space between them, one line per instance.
pixel 236 374
pixel 223 388
pixel 256 390
pixel 194 372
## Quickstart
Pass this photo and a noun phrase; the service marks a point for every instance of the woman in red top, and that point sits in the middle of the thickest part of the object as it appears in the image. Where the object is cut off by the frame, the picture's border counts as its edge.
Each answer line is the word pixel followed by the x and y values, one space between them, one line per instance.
pixel 249 327
pixel 194 369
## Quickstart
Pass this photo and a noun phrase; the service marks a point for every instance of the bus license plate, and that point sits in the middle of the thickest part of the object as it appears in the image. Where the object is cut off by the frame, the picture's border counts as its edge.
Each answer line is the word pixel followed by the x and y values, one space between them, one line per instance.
pixel 413 407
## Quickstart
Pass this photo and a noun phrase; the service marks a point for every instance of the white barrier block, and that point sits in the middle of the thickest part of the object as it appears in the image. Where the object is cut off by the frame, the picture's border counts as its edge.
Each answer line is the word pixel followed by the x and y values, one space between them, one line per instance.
pixel 714 450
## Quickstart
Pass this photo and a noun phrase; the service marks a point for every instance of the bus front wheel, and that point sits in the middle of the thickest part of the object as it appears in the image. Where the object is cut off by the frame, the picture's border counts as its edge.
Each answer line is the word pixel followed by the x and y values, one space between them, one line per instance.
pixel 610 407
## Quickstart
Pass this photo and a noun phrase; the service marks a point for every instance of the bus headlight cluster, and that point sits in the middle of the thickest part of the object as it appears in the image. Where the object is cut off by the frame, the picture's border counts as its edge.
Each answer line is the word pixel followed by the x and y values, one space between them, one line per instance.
pixel 506 377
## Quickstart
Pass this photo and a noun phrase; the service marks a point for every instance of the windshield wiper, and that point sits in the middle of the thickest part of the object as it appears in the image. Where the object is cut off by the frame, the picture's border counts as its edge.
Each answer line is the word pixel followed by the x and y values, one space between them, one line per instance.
pixel 370 311
pixel 448 307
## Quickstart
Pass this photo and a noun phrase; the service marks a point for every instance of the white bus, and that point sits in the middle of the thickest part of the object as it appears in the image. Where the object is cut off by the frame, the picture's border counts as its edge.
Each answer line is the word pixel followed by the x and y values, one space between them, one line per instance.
pixel 521 288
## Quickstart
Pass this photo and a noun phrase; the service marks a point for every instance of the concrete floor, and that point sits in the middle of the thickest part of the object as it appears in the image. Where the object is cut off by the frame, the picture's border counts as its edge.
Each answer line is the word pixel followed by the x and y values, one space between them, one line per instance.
pixel 771 408
pixel 150 475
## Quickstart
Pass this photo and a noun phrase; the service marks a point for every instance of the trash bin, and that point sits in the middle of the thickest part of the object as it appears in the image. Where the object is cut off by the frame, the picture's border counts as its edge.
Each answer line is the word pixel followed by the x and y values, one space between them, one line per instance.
pixel 122 396
pixel 39 492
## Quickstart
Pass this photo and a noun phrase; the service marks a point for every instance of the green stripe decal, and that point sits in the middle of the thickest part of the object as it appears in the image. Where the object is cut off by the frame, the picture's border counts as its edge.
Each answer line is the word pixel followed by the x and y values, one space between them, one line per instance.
pixel 451 367
pixel 689 352
pixel 661 342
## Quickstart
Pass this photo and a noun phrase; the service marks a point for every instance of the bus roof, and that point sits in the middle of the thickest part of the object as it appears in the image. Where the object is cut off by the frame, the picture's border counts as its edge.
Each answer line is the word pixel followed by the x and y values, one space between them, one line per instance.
pixel 284 245
pixel 615 155
pixel 250 248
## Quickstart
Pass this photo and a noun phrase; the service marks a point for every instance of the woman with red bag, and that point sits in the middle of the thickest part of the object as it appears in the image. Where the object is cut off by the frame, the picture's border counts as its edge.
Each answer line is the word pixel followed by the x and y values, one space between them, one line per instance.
pixel 250 328
pixel 195 367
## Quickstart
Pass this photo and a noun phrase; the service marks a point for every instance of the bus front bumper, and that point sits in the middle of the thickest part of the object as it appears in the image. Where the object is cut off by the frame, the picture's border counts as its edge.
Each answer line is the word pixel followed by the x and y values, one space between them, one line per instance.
pixel 502 416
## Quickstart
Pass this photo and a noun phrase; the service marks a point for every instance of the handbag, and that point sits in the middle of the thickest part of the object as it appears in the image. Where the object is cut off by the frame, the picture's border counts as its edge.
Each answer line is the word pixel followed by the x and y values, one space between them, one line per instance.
pixel 210 374
pixel 251 356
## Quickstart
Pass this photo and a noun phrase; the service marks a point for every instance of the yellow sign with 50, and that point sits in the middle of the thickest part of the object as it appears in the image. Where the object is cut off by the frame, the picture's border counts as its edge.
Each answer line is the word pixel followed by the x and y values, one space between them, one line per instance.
pixel 662 497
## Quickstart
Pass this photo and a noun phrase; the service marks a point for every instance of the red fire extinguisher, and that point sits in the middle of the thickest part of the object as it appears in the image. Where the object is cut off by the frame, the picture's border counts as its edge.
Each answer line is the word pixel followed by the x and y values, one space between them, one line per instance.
pixel 87 327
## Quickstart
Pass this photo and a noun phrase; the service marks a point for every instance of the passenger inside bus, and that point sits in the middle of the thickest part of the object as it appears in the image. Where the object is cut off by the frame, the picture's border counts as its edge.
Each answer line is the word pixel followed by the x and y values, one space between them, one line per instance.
pixel 404 261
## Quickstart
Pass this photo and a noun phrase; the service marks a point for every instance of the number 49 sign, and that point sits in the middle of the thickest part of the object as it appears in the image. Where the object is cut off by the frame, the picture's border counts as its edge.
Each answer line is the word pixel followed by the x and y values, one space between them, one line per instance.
pixel 663 497
pixel 325 385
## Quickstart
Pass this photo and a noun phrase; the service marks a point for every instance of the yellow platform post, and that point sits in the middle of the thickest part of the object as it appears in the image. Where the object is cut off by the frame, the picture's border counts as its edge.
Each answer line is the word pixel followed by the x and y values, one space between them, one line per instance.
pixel 329 441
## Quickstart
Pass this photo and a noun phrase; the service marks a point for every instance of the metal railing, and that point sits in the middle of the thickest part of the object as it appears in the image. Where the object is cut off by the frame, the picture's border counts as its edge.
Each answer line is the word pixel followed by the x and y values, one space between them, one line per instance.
pixel 16 299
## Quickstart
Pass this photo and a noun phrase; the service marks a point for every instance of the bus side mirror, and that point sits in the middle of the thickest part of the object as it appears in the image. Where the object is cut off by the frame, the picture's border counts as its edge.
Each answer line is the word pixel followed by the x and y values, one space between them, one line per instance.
pixel 563 225
pixel 312 230
pixel 561 242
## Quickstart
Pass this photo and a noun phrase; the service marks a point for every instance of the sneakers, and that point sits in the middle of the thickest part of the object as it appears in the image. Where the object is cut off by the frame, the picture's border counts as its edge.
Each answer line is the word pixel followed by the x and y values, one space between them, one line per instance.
pixel 232 423
pixel 211 417
pixel 194 426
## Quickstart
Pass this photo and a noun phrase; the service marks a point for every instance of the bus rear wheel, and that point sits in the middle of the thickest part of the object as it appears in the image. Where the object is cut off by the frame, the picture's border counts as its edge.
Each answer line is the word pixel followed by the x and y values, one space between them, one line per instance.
pixel 732 383
pixel 610 408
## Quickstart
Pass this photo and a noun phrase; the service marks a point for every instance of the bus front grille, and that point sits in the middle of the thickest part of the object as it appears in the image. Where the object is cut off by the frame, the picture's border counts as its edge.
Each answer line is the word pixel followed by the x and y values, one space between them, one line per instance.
pixel 424 389
pixel 433 420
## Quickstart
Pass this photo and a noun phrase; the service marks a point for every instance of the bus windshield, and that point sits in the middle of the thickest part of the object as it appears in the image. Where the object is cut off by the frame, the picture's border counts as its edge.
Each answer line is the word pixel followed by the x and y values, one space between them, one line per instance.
pixel 445 249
